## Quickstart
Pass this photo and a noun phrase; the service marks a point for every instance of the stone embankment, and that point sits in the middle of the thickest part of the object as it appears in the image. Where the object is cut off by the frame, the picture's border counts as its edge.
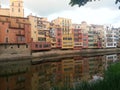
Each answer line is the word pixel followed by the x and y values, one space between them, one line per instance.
pixel 56 54
pixel 61 54
pixel 82 52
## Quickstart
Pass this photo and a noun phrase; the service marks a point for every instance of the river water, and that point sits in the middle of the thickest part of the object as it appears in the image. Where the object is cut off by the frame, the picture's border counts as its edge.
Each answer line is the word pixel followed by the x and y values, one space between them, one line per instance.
pixel 53 75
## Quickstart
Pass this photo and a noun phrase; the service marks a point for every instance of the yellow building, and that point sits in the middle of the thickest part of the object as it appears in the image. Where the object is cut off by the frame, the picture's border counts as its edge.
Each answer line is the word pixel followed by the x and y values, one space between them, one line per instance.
pixel 34 31
pixel 39 29
pixel 16 9
pixel 67 35
pixel 68 72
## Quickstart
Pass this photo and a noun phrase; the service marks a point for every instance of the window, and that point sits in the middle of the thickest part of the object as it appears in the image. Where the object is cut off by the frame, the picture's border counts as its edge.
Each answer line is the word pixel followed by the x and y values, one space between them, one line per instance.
pixel 40 46
pixel 12 9
pixel 20 38
pixel 36 45
pixel 12 3
pixel 6 39
pixel 7 31
pixel 18 46
pixel 41 39
pixel 46 45
pixel 26 46
pixel 19 4
pixel 19 10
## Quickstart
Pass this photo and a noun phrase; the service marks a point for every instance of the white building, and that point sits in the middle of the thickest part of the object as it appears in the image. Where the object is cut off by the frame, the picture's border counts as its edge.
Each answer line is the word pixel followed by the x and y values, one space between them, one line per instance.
pixel 110 37
pixel 110 59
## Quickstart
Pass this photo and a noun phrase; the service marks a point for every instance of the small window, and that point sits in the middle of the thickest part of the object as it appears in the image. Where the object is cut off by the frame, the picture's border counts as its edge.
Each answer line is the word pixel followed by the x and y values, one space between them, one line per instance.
pixel 36 45
pixel 13 4
pixel 6 39
pixel 12 9
pixel 19 10
pixel 18 46
pixel 26 46
pixel 40 46
pixel 19 4
pixel 7 31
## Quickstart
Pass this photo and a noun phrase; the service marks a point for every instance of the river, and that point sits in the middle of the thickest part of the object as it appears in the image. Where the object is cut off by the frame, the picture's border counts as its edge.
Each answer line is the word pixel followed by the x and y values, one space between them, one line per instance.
pixel 53 74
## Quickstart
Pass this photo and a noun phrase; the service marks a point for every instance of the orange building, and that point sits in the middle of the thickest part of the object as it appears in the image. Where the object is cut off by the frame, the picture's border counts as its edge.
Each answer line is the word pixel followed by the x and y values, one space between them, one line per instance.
pixel 39 33
pixel 14 34
pixel 67 34
pixel 15 75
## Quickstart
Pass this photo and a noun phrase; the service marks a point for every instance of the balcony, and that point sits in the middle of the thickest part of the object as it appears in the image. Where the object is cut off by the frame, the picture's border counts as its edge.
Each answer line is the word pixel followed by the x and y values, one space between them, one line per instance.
pixel 20 33
pixel 36 46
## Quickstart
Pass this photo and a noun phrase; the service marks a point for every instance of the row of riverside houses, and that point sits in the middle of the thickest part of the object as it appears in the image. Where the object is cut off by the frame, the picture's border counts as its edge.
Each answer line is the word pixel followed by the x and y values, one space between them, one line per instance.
pixel 21 35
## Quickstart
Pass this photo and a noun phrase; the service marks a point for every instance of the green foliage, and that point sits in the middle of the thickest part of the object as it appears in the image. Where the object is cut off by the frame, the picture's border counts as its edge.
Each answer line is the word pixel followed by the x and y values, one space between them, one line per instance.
pixel 78 2
pixel 111 80
pixel 83 2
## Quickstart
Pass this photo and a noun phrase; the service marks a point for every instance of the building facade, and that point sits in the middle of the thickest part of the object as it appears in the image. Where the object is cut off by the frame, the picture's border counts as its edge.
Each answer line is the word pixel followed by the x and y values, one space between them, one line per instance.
pixel 16 9
pixel 56 36
pixel 78 43
pixel 111 37
pixel 84 28
pixel 67 35
pixel 40 33
pixel 14 35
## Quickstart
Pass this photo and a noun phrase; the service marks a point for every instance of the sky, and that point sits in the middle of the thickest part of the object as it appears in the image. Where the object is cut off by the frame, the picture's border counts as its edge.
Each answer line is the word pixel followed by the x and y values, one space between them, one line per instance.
pixel 103 12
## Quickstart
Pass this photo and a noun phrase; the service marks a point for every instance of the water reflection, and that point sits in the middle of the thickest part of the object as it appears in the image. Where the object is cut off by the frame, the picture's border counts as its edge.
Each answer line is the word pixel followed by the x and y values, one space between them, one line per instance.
pixel 23 75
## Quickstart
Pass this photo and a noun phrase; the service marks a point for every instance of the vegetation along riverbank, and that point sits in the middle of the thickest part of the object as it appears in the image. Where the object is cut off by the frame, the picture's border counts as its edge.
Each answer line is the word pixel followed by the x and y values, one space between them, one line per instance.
pixel 111 81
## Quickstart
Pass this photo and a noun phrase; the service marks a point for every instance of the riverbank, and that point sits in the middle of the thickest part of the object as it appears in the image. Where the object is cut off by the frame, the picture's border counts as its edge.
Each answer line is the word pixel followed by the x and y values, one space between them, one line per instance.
pixel 56 54
pixel 110 80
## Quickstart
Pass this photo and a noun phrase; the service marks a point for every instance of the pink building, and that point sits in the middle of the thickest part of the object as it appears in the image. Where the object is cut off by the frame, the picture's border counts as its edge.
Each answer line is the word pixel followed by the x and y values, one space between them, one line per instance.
pixel 85 40
pixel 77 39
pixel 58 38
pixel 40 46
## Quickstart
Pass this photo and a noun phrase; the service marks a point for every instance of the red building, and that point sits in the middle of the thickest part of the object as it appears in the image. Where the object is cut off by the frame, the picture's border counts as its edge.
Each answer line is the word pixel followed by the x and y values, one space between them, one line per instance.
pixel 14 33
pixel 35 46
pixel 58 38
pixel 77 39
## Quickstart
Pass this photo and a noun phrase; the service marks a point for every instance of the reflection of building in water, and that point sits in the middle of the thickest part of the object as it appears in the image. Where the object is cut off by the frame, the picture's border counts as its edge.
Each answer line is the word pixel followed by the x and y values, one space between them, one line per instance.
pixel 46 75
pixel 95 66
pixel 85 69
pixel 67 71
pixel 15 75
pixel 81 69
pixel 41 74
pixel 110 59
pixel 78 73
pixel 118 55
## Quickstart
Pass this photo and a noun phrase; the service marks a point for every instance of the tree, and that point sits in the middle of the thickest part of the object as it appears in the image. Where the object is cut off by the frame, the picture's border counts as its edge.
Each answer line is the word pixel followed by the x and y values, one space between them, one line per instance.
pixel 83 2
